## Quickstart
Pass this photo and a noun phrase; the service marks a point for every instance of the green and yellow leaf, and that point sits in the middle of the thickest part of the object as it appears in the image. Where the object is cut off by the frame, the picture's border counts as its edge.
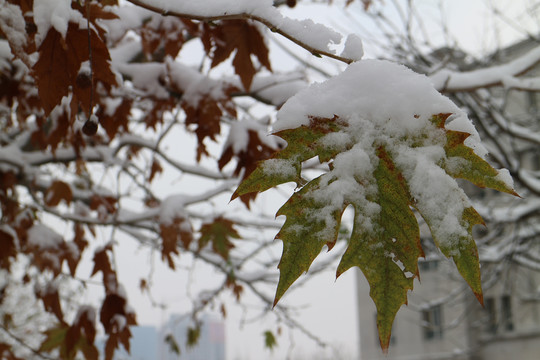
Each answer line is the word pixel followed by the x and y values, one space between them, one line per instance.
pixel 384 178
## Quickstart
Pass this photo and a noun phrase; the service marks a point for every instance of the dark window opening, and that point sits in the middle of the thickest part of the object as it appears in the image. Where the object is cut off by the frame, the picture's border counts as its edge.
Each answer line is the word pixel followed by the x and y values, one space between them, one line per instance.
pixel 491 315
pixel 506 313
pixel 433 322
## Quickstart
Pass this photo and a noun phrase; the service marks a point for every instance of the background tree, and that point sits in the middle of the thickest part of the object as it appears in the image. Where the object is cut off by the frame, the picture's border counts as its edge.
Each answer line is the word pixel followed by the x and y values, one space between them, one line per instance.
pixel 498 86
pixel 101 104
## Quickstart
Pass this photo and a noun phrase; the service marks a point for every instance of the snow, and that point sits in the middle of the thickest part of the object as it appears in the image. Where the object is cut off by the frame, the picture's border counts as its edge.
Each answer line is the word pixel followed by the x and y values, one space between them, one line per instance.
pixel 120 321
pixel 5 55
pixel 361 89
pixel 453 81
pixel 13 25
pixel 57 14
pixel 144 76
pixel 277 88
pixel 511 82
pixel 526 176
pixel 87 311
pixel 315 36
pixel 438 197
pixel 172 208
pixel 381 104
pixel 282 167
pixel 463 124
pixel 354 49
pixel 238 137
pixel 43 238
pixel 211 8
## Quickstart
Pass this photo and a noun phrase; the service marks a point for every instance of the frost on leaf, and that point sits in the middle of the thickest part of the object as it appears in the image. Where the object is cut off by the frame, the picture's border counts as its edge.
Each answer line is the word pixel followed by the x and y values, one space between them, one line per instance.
pixel 384 163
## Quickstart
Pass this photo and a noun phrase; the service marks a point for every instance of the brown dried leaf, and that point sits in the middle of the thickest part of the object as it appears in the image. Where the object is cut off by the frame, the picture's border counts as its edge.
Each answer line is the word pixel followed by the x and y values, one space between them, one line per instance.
pixel 57 192
pixel 51 300
pixel 172 234
pixel 8 250
pixel 243 38
pixel 119 119
pixel 247 159
pixel 116 321
pixel 155 169
pixel 206 117
pixel 59 63
pixel 103 264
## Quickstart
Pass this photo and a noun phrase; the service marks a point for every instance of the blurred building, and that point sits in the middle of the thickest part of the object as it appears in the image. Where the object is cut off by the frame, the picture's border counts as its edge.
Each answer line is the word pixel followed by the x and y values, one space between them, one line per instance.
pixel 170 341
pixel 210 344
pixel 443 319
pixel 144 345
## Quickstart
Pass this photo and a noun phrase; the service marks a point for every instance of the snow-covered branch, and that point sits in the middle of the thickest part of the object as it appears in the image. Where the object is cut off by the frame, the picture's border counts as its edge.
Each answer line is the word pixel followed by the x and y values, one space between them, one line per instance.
pixel 313 37
pixel 449 81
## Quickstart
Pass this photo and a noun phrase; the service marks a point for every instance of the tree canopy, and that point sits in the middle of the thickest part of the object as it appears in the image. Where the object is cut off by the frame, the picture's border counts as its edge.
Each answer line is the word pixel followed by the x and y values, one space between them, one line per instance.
pixel 103 102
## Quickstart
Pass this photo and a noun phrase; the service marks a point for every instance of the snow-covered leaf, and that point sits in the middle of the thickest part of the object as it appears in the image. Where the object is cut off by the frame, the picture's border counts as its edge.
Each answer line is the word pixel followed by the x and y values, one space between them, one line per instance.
pixel 385 164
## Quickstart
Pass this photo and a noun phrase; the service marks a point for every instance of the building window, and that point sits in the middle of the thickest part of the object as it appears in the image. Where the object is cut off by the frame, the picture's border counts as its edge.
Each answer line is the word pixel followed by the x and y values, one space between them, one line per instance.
pixel 433 322
pixel 428 265
pixel 506 313
pixel 491 315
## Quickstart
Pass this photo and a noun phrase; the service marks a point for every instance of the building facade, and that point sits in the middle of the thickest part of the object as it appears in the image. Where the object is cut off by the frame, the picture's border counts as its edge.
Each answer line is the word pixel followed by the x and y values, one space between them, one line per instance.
pixel 443 319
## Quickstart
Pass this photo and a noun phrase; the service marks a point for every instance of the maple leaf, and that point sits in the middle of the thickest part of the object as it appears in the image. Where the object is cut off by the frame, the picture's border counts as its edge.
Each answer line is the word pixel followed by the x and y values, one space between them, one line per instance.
pixel 162 37
pixel 51 300
pixel 8 249
pixel 59 65
pixel 55 338
pixel 206 116
pixel 69 340
pixel 57 192
pixel 219 233
pixel 155 168
pixel 7 352
pixel 172 234
pixel 118 119
pixel 244 39
pixel 173 345
pixel 247 157
pixel 193 335
pixel 383 179
pixel 116 319
pixel 269 340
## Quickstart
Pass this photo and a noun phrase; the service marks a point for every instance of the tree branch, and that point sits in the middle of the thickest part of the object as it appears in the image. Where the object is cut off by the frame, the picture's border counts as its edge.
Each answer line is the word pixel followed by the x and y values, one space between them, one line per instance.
pixel 275 24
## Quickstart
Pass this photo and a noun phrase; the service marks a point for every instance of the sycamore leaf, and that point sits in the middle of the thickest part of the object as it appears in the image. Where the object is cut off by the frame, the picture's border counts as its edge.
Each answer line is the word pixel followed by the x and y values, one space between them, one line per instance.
pixel 269 340
pixel 193 335
pixel 56 337
pixel 244 39
pixel 247 157
pixel 57 192
pixel 69 340
pixel 59 65
pixel 7 352
pixel 173 345
pixel 51 300
pixel 8 249
pixel 172 234
pixel 206 116
pixel 383 178
pixel 219 233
